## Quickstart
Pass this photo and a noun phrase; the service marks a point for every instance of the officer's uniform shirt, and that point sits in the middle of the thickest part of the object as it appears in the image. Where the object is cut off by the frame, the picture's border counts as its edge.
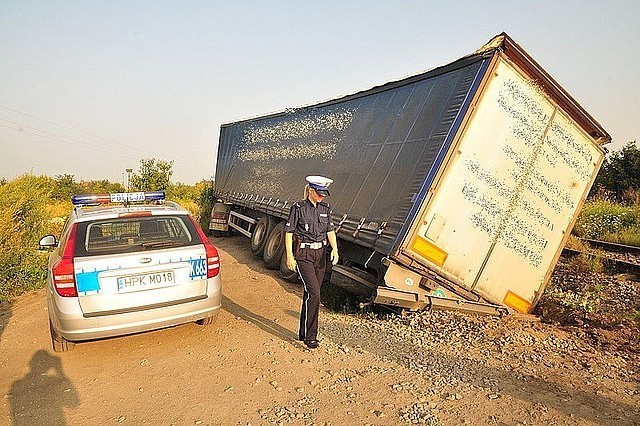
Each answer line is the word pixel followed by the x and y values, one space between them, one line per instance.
pixel 310 223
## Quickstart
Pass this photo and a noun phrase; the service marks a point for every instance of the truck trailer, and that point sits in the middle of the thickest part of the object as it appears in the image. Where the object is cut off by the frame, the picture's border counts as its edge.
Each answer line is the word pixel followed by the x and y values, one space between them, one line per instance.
pixel 454 188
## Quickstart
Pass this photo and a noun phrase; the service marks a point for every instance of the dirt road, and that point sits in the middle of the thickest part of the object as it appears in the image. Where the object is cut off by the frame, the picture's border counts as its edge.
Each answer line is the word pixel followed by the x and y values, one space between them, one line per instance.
pixel 247 368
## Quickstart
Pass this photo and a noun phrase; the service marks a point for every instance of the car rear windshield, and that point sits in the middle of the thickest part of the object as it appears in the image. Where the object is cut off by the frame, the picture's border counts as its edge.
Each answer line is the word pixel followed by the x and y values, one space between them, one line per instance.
pixel 131 234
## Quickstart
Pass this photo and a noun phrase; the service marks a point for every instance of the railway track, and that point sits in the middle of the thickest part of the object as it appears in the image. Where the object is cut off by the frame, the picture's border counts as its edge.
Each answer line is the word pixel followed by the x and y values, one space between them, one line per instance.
pixel 616 257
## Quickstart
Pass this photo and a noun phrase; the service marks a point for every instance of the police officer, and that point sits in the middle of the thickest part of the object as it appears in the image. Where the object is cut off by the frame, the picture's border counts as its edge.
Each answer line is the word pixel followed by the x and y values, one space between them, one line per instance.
pixel 307 233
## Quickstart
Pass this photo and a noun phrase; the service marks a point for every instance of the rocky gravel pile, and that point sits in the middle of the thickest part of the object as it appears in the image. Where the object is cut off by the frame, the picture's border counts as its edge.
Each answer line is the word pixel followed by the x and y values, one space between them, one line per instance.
pixel 599 306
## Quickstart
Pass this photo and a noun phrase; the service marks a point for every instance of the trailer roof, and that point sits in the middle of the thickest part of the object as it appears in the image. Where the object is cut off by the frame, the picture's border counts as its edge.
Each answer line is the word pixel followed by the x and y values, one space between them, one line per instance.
pixel 502 43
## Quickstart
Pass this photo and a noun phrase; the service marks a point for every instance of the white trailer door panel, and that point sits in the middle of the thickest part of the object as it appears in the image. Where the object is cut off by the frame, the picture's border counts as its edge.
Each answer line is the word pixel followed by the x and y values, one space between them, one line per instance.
pixel 509 192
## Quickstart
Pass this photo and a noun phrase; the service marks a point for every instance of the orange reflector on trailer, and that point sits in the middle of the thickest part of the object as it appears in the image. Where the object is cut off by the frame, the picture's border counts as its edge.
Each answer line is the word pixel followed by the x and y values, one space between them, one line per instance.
pixel 516 302
pixel 429 251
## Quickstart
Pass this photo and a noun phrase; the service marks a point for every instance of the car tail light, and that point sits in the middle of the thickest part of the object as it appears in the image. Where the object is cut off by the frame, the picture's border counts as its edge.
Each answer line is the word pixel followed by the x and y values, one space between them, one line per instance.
pixel 213 258
pixel 64 279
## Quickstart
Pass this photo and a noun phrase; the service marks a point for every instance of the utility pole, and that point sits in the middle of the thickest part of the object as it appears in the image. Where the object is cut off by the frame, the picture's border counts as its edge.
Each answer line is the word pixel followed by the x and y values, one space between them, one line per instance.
pixel 129 179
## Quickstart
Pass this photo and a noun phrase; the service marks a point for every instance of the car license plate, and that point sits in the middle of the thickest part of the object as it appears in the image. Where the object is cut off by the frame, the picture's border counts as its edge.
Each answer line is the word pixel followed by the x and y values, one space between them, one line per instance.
pixel 146 281
pixel 218 226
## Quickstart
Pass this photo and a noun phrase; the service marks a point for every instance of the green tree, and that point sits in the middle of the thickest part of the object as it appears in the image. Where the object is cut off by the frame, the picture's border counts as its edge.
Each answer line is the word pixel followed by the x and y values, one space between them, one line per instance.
pixel 153 175
pixel 102 186
pixel 65 187
pixel 620 172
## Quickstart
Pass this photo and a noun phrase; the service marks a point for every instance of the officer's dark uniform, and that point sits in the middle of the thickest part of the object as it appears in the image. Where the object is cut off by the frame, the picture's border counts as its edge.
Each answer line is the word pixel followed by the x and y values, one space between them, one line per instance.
pixel 309 226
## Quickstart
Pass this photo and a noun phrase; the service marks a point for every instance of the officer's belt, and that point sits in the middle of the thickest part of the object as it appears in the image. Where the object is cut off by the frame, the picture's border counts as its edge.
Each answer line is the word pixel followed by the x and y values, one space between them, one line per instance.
pixel 314 246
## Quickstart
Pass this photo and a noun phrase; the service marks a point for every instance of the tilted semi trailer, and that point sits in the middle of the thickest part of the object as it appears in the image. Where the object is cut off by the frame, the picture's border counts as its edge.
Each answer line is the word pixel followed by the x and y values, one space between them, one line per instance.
pixel 454 188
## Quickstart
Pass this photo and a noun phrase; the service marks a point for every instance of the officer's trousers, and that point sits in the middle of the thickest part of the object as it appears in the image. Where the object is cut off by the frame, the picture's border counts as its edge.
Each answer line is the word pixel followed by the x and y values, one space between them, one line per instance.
pixel 311 266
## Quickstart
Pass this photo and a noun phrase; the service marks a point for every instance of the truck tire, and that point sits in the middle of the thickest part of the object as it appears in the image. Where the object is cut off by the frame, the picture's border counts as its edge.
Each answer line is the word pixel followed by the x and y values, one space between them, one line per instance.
pixel 286 273
pixel 260 233
pixel 274 247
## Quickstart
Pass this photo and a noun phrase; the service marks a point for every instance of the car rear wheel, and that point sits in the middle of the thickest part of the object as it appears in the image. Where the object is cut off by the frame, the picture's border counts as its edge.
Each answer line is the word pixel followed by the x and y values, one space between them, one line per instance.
pixel 260 233
pixel 208 320
pixel 274 247
pixel 59 343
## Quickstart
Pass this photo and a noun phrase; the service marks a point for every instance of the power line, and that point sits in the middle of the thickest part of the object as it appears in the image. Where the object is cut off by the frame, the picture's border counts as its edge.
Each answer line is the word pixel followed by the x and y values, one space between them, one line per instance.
pixel 61 138
pixel 57 136
pixel 76 130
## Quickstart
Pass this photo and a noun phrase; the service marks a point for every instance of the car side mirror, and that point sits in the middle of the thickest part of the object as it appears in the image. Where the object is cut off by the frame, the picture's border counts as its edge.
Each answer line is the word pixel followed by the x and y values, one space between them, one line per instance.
pixel 48 241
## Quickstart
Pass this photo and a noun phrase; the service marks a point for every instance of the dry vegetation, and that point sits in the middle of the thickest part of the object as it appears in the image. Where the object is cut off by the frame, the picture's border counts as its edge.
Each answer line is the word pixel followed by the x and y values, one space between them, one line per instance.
pixel 34 206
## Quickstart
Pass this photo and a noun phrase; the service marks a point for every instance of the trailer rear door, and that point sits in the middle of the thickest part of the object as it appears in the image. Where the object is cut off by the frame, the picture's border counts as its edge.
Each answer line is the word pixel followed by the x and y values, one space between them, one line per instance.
pixel 498 216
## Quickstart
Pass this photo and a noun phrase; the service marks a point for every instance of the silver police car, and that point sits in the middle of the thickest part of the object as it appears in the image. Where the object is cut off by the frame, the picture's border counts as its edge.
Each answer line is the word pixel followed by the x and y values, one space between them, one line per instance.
pixel 126 263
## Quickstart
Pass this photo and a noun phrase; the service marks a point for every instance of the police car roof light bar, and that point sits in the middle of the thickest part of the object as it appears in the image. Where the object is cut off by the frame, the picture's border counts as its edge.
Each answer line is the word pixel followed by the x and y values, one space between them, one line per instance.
pixel 118 197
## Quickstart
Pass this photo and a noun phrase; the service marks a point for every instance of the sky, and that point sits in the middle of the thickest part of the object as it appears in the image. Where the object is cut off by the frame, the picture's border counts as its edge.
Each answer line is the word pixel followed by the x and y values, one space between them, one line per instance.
pixel 89 88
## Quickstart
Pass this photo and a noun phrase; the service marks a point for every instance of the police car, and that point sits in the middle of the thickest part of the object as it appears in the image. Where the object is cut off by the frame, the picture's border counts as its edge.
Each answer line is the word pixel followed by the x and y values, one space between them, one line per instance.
pixel 126 263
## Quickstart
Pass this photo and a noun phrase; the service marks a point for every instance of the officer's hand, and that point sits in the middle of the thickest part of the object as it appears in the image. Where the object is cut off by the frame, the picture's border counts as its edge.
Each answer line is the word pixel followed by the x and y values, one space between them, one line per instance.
pixel 334 256
pixel 291 263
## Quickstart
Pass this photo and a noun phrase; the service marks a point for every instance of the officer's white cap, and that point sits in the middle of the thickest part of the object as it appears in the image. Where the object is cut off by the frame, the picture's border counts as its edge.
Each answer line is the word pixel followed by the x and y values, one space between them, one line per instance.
pixel 320 184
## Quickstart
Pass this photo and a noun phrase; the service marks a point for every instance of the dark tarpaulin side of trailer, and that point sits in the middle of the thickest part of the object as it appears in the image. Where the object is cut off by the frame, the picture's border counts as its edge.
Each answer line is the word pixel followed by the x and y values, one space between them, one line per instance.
pixel 382 148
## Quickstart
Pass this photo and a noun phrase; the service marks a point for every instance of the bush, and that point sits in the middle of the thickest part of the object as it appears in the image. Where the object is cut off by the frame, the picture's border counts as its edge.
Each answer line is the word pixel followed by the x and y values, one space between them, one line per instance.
pixel 24 219
pixel 205 201
pixel 181 191
pixel 605 220
pixel 197 199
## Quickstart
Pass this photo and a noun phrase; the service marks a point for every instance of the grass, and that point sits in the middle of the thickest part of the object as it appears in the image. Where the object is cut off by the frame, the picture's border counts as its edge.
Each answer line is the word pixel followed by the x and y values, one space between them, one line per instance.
pixel 627 236
pixel 583 302
pixel 23 221
pixel 601 219
pixel 584 261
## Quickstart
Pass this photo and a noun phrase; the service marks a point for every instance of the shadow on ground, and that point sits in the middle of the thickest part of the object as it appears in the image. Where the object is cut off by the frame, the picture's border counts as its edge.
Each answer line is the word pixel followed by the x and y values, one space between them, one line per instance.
pixel 5 315
pixel 42 395
pixel 261 322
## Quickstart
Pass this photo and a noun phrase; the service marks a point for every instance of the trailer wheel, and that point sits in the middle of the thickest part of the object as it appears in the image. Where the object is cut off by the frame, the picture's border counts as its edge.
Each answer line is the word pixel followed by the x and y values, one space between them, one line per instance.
pixel 274 247
pixel 260 233
pixel 286 273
